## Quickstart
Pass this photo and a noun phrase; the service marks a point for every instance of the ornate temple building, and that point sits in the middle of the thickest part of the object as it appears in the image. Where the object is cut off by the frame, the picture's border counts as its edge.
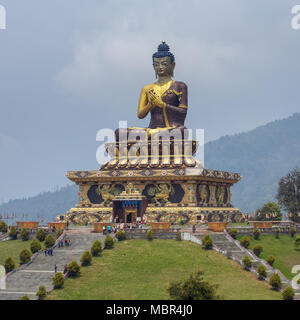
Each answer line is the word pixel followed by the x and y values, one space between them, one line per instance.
pixel 152 173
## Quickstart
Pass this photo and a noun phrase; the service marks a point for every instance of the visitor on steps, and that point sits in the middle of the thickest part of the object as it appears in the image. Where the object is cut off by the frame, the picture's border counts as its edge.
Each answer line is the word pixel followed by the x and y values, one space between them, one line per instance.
pixel 109 228
pixel 194 228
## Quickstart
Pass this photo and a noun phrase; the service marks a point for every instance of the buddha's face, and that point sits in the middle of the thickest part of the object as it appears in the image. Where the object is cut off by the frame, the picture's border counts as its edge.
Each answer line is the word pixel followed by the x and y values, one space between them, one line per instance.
pixel 163 66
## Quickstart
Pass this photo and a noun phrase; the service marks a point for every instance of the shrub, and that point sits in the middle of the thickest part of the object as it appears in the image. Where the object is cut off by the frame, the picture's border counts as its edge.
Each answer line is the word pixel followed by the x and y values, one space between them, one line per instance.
pixel 58 280
pixel 35 246
pixel 41 235
pixel 24 234
pixel 3 227
pixel 25 256
pixel 178 236
pixel 193 288
pixel 150 235
pixel 276 233
pixel 41 294
pixel 96 248
pixel 256 234
pixel 25 297
pixel 297 242
pixel 293 231
pixel 233 233
pixel 245 242
pixel 86 259
pixel 288 293
pixel 275 281
pixel 9 265
pixel 207 242
pixel 298 281
pixel 270 260
pixel 74 269
pixel 258 249
pixel 108 242
pixel 49 241
pixel 247 262
pixel 262 272
pixel 13 232
pixel 59 233
pixel 121 235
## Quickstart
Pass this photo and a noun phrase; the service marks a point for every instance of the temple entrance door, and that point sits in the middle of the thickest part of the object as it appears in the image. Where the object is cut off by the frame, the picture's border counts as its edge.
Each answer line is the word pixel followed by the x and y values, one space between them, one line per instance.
pixel 130 215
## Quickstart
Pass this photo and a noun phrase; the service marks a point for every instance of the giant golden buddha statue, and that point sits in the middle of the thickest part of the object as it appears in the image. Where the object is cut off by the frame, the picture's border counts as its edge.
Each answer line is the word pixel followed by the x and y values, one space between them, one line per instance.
pixel 165 142
pixel 165 99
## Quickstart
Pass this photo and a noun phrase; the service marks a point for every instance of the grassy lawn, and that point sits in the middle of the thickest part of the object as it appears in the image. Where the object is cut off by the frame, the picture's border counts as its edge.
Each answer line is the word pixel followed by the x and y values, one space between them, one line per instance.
pixel 283 249
pixel 12 248
pixel 139 269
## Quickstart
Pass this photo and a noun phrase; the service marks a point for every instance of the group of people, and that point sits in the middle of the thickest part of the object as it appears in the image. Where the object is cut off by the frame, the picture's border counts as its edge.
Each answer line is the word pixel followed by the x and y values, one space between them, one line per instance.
pixel 48 252
pixel 61 243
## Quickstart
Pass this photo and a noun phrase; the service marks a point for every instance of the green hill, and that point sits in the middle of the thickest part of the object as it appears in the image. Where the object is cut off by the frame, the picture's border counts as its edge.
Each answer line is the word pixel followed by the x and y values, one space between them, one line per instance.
pixel 262 156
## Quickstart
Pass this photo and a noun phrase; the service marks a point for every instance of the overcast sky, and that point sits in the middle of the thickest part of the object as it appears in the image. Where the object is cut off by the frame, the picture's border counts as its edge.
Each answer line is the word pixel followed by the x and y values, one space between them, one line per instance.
pixel 69 68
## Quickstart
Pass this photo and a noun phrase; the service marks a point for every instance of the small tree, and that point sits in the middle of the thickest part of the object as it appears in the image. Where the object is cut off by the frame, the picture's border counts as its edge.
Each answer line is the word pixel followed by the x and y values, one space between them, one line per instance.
pixel 270 211
pixel 262 272
pixel 258 249
pixel 58 280
pixel 270 260
pixel 207 242
pixel 293 231
pixel 297 242
pixel 49 241
pixel 247 262
pixel 86 259
pixel 25 256
pixel 24 234
pixel 256 234
pixel 96 248
pixel 13 232
pixel 108 242
pixel 3 227
pixel 25 297
pixel 275 281
pixel 288 293
pixel 35 246
pixel 41 235
pixel 276 233
pixel 245 242
pixel 233 233
pixel 74 269
pixel 121 235
pixel 150 235
pixel 193 288
pixel 42 293
pixel 178 236
pixel 9 265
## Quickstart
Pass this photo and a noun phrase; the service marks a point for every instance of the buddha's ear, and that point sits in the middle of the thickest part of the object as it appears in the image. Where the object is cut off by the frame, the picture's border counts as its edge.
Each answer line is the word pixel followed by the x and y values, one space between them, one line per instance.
pixel 173 67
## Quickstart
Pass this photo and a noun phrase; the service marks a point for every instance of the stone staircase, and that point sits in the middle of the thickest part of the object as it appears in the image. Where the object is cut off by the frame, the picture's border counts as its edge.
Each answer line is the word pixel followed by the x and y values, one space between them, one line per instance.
pixel 226 245
pixel 41 270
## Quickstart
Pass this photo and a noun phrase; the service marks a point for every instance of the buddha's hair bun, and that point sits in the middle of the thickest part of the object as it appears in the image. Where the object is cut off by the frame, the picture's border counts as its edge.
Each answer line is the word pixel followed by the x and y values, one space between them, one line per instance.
pixel 163 50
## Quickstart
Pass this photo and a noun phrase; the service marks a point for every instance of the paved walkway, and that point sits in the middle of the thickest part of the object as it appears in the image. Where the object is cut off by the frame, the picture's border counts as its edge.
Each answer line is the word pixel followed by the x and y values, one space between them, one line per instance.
pixel 41 270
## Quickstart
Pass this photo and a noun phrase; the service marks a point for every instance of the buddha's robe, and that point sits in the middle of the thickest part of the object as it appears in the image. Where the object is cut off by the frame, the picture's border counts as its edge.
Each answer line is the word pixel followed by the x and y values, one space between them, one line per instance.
pixel 174 95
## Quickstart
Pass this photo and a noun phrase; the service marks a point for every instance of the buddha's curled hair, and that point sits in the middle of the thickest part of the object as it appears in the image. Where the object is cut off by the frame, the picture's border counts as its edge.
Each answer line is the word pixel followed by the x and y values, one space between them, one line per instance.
pixel 163 50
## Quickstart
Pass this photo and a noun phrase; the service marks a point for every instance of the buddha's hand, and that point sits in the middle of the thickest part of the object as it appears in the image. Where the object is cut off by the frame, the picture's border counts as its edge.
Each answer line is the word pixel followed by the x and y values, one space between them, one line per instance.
pixel 155 100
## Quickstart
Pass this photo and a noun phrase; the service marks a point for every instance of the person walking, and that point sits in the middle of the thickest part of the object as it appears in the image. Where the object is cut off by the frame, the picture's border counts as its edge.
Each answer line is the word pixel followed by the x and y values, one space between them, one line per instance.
pixel 55 268
pixel 194 228
pixel 45 252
